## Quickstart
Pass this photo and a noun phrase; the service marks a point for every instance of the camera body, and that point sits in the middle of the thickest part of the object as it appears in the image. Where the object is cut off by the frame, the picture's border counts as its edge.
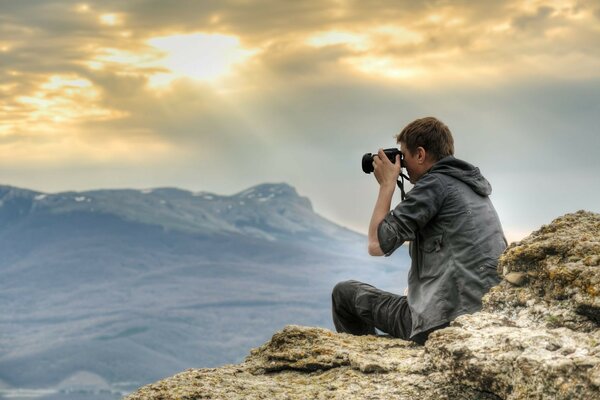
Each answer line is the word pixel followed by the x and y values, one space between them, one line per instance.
pixel 367 160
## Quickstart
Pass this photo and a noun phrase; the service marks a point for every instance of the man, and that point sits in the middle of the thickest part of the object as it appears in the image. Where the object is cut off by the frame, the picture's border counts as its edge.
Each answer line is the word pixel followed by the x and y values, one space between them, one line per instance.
pixel 455 240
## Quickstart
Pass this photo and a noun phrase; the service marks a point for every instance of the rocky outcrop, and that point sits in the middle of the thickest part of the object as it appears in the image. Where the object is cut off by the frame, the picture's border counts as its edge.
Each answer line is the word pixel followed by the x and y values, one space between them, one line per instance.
pixel 537 337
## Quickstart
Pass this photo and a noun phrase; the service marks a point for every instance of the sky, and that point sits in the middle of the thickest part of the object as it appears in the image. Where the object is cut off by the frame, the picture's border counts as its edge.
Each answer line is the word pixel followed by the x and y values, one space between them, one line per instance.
pixel 222 95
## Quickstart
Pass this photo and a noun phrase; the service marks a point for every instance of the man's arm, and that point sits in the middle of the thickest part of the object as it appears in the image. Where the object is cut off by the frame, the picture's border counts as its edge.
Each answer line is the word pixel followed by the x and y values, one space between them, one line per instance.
pixel 382 208
pixel 386 174
pixel 421 204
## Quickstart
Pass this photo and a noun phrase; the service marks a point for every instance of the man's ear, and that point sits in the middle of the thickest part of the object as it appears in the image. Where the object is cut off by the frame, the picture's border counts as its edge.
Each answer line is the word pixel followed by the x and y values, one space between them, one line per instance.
pixel 421 155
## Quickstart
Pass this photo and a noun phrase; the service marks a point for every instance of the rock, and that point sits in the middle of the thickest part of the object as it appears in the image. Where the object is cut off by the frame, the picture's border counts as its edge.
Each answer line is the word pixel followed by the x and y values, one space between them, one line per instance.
pixel 563 287
pixel 536 337
pixel 315 363
pixel 516 278
pixel 482 352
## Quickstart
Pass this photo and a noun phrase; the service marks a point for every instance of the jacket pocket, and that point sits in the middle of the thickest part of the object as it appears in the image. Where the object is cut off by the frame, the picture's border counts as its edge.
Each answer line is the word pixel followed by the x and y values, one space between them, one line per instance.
pixel 433 257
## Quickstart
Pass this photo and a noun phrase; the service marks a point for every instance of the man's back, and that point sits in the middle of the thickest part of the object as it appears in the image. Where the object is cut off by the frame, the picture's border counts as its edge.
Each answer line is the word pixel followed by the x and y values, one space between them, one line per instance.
pixel 455 244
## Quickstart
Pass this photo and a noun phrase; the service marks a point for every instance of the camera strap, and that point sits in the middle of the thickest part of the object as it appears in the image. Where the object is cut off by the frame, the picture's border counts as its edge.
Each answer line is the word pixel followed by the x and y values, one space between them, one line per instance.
pixel 400 183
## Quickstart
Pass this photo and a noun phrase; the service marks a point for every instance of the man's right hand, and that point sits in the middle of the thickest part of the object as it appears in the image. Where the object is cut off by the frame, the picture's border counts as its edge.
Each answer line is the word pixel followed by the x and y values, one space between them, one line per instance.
pixel 385 172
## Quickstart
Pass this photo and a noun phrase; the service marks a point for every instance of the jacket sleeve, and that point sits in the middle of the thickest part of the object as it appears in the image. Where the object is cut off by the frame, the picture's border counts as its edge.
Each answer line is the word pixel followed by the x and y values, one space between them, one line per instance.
pixel 421 204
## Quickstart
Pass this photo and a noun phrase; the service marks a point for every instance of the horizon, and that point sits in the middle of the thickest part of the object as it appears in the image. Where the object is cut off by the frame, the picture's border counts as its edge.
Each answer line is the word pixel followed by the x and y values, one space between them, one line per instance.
pixel 514 238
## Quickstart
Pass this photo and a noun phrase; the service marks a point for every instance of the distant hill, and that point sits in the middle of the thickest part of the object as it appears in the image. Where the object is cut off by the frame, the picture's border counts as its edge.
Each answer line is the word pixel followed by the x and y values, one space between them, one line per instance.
pixel 106 290
pixel 269 211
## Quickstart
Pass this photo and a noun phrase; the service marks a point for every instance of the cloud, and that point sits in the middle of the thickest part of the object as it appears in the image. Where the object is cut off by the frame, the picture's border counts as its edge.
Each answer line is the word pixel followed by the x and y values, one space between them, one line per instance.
pixel 536 21
pixel 320 83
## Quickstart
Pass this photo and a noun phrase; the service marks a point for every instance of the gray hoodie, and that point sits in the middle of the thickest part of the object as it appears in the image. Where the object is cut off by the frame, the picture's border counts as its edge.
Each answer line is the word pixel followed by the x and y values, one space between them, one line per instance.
pixel 456 239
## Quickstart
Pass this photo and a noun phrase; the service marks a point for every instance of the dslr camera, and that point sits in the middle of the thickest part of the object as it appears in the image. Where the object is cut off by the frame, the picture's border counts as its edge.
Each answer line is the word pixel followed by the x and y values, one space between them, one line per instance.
pixel 367 160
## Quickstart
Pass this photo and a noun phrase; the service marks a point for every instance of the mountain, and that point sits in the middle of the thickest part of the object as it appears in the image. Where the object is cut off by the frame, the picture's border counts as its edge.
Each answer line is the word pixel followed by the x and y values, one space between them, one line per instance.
pixel 102 291
pixel 269 211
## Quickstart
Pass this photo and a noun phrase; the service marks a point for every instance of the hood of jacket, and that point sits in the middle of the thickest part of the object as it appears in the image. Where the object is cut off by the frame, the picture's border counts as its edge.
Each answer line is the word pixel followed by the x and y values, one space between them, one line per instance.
pixel 464 172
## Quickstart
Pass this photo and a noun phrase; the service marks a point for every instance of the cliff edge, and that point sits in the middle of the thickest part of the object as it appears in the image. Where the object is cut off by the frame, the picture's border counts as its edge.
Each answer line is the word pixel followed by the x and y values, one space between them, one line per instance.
pixel 537 337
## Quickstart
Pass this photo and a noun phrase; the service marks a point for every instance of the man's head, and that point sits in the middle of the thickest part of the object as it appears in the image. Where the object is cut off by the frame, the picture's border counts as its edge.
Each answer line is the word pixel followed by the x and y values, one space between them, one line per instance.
pixel 424 142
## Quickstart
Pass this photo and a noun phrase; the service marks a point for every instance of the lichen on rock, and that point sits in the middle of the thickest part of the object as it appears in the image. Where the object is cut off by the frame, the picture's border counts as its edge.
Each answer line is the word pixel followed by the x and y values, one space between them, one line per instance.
pixel 537 337
pixel 561 262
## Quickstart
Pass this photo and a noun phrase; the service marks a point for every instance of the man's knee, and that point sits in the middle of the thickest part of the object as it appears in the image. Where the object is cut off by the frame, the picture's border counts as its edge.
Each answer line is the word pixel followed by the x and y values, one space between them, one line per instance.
pixel 343 289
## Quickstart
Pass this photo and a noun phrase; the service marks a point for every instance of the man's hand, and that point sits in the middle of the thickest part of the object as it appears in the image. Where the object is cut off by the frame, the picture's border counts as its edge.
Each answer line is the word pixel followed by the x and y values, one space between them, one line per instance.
pixel 385 172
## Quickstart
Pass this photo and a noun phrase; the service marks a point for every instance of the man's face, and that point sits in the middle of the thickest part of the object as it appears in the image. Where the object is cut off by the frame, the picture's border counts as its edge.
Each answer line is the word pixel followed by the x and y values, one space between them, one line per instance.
pixel 413 165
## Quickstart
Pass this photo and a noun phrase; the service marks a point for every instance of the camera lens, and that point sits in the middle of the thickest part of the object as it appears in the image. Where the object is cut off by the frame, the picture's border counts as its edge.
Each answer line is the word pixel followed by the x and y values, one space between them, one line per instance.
pixel 367 163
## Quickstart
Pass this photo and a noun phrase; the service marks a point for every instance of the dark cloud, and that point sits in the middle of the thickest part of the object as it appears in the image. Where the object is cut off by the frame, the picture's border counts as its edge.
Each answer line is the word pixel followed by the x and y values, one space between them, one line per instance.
pixel 256 22
pixel 296 65
pixel 537 20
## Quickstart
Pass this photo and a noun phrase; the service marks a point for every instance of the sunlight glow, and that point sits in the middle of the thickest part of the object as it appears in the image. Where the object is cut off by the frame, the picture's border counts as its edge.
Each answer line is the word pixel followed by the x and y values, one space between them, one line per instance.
pixel 396 34
pixel 63 99
pixel 55 122
pixel 384 67
pixel 117 56
pixel 200 56
pixel 70 146
pixel 58 82
pixel 366 44
pixel 434 18
pixel 48 124
pixel 7 87
pixel 110 19
pixel 503 27
pixel 331 38
pixel 82 8
pixel 95 65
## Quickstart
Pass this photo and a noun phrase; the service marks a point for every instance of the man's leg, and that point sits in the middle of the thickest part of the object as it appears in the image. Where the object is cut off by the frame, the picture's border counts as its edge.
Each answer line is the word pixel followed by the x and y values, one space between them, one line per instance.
pixel 359 308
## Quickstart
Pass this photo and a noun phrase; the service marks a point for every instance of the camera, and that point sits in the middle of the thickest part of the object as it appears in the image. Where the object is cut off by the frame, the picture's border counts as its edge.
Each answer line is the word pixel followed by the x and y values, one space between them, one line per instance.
pixel 367 160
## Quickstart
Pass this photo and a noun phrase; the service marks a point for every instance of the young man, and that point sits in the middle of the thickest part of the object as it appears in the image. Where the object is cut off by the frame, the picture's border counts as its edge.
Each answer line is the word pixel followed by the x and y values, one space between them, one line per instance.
pixel 455 240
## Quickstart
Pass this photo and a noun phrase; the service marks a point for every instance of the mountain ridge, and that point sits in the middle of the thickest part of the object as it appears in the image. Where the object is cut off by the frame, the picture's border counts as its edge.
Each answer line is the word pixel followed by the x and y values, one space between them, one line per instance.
pixel 278 211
